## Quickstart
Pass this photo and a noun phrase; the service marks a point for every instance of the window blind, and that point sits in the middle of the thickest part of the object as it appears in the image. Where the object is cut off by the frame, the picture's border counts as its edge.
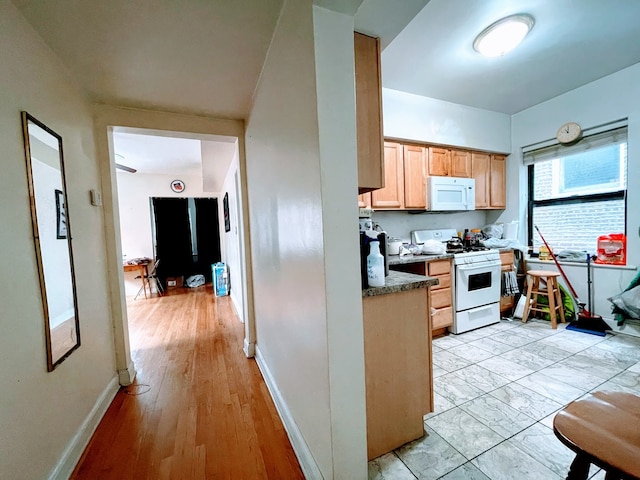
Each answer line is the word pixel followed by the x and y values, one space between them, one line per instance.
pixel 595 140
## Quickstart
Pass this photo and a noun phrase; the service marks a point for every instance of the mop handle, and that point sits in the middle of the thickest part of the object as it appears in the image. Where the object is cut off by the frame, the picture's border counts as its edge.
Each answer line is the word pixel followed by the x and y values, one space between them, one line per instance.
pixel 564 275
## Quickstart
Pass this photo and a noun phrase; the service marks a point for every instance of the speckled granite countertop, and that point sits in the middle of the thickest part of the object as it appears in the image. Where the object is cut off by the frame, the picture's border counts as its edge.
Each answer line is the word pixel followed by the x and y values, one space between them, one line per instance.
pixel 399 282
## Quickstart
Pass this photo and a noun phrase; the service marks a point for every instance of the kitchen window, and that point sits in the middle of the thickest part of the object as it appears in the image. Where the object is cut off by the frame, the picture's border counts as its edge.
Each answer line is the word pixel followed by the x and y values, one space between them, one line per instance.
pixel 578 192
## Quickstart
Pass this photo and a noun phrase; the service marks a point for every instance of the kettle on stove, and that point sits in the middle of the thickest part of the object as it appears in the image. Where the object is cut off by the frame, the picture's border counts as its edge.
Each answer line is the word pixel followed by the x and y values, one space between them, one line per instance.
pixel 454 245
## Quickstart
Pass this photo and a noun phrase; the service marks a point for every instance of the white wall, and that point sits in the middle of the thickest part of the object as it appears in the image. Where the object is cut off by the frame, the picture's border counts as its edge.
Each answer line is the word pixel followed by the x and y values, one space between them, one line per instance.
pixel 422 119
pixel 36 431
pixel 400 224
pixel 233 238
pixel 134 193
pixel 339 179
pixel 600 102
pixel 293 241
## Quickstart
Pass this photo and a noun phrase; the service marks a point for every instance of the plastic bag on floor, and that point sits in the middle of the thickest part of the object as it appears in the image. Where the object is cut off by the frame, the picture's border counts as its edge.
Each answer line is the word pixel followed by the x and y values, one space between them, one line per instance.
pixel 194 281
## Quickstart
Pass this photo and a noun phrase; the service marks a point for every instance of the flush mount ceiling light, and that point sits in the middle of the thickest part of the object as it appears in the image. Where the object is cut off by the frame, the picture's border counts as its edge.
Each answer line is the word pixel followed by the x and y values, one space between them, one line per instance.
pixel 504 35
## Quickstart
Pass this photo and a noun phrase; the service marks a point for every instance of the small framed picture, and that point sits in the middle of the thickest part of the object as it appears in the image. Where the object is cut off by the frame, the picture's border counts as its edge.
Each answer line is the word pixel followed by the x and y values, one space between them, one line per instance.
pixel 61 214
pixel 225 209
pixel 177 186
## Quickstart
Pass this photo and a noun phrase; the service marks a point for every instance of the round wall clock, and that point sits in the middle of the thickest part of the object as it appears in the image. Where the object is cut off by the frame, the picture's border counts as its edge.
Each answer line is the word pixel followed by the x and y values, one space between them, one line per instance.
pixel 177 186
pixel 569 132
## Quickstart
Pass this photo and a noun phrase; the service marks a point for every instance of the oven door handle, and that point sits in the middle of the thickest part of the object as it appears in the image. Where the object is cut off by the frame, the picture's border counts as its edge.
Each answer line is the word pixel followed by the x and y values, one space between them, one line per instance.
pixel 478 266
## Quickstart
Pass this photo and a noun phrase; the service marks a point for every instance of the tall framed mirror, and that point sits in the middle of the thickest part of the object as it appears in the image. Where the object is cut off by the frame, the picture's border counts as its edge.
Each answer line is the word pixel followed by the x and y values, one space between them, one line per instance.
pixel 52 239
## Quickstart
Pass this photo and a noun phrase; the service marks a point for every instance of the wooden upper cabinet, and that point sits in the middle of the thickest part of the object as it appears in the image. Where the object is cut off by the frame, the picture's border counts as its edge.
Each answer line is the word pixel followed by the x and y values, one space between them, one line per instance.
pixel 449 162
pixel 480 165
pixel 392 195
pixel 498 185
pixel 460 163
pixel 439 161
pixel 415 176
pixel 368 113
pixel 364 200
pixel 489 171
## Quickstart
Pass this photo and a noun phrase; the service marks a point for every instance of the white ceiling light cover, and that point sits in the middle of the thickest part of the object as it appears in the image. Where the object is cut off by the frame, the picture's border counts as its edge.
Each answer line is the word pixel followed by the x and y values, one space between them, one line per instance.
pixel 503 35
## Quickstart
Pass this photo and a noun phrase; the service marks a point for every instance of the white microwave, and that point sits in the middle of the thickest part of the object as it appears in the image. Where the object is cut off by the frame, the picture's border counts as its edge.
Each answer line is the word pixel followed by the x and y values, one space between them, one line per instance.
pixel 451 194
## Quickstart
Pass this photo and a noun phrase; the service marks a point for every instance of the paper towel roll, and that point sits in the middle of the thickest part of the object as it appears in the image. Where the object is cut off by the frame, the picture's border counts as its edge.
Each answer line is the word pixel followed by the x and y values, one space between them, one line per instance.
pixel 510 231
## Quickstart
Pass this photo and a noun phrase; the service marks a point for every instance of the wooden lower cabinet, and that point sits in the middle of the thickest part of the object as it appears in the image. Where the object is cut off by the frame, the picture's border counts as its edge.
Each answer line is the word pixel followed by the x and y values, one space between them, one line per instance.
pixel 441 295
pixel 398 372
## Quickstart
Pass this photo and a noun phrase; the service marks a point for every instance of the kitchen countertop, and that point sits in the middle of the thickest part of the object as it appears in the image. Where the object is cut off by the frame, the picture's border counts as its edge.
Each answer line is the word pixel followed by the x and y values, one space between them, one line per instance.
pixel 400 282
pixel 398 260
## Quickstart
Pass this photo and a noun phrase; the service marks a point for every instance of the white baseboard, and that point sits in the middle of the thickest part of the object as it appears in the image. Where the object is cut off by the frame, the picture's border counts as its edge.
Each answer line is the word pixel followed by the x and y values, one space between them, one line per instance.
pixel 629 327
pixel 249 349
pixel 308 464
pixel 75 448
pixel 128 375
pixel 237 304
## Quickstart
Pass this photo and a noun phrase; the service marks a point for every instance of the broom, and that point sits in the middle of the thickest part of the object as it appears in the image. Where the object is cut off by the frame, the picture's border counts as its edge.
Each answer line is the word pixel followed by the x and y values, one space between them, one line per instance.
pixel 580 304
pixel 588 322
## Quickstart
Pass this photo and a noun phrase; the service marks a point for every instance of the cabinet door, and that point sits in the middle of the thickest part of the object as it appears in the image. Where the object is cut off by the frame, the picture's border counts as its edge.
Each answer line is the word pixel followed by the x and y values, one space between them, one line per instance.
pixel 415 171
pixel 368 113
pixel 460 164
pixel 364 200
pixel 439 161
pixel 480 164
pixel 498 189
pixel 392 195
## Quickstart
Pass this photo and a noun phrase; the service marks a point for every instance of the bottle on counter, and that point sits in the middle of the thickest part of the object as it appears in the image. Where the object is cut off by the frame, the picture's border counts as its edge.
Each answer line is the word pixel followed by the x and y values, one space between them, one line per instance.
pixel 375 265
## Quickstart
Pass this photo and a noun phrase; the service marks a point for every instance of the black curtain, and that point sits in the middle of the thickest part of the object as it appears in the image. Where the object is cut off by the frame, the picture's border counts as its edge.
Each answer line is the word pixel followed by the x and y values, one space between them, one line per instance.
pixel 207 235
pixel 173 237
pixel 174 246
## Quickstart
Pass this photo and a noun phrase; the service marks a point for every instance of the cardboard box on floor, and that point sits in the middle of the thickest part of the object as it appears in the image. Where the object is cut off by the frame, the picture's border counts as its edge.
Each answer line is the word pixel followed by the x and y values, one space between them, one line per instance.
pixel 174 282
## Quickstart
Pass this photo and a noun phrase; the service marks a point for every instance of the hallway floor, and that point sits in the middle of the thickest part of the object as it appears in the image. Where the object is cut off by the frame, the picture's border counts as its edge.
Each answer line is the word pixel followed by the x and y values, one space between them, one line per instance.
pixel 198 409
pixel 496 391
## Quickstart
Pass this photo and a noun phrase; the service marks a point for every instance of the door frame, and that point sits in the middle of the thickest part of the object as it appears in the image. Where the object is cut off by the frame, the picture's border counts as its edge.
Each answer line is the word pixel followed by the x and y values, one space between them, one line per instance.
pixel 106 118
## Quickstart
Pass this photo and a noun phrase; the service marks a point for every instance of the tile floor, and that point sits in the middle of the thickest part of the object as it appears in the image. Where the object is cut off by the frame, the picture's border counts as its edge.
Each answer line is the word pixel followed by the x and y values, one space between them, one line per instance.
pixel 496 391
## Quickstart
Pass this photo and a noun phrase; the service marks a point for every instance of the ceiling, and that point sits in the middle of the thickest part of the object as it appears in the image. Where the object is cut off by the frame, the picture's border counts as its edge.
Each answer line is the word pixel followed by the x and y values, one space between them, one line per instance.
pixel 204 57
pixel 571 44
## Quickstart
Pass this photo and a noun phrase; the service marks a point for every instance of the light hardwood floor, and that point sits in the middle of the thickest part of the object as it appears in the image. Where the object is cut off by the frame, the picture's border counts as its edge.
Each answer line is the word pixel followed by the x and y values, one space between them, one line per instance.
pixel 198 409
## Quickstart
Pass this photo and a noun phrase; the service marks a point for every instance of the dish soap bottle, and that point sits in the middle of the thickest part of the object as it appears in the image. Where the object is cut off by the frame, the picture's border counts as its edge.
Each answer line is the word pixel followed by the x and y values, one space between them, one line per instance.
pixel 375 265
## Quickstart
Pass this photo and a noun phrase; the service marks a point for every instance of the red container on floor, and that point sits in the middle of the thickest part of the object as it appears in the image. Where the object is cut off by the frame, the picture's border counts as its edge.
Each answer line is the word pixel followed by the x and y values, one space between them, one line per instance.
pixel 612 249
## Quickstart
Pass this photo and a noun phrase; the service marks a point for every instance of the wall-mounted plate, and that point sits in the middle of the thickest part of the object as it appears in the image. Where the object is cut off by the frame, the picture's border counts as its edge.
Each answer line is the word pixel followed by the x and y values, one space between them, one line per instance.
pixel 177 186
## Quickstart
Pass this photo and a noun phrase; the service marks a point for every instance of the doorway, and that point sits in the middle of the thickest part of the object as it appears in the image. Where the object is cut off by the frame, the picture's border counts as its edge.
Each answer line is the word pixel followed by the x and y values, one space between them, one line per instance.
pixel 222 135
pixel 186 236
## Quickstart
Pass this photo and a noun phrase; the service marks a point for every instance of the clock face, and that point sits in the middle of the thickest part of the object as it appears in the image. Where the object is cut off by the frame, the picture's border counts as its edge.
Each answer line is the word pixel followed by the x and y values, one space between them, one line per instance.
pixel 569 132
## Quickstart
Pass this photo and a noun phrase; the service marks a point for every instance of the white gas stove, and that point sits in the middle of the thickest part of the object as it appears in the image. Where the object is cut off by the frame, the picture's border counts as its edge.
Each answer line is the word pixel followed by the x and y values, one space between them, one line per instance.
pixel 476 282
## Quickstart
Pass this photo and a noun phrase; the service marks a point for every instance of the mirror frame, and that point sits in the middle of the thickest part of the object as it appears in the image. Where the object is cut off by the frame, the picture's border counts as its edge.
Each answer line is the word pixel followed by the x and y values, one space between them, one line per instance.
pixel 26 118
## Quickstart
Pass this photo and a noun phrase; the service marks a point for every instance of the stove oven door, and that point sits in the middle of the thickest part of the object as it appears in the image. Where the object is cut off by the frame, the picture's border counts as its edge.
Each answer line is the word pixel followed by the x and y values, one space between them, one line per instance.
pixel 477 284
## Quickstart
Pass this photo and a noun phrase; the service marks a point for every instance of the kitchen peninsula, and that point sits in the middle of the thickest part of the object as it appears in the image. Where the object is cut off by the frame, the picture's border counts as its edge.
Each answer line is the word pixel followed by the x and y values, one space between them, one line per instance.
pixel 398 371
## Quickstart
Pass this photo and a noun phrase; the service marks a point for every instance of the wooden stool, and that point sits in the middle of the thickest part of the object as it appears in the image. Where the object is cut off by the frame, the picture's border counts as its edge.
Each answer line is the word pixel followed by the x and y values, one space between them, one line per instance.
pixel 552 293
pixel 602 429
